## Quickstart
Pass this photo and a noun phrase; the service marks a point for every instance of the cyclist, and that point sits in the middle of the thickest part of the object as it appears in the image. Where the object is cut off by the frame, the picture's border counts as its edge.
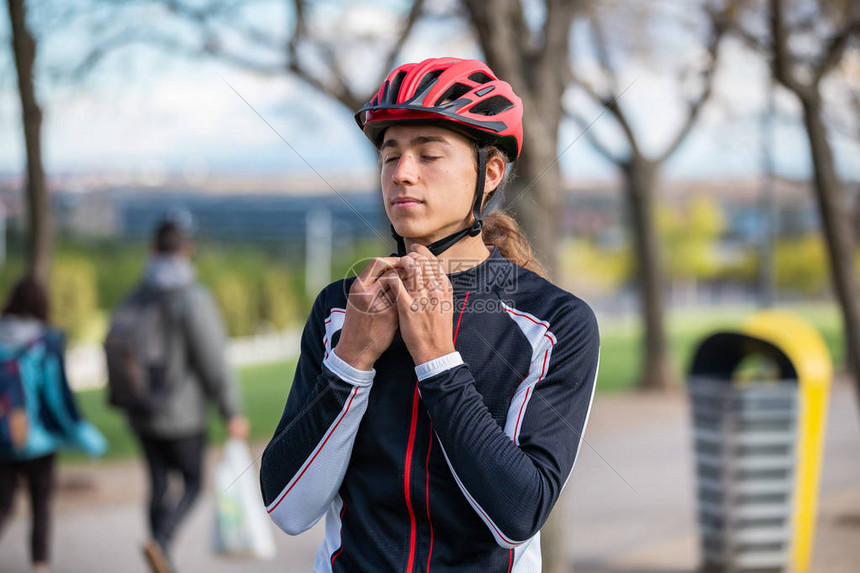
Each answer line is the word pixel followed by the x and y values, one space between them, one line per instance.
pixel 441 396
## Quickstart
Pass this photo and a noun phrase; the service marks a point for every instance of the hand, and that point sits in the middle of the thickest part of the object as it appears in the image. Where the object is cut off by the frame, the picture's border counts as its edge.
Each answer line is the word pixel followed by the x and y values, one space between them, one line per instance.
pixel 238 428
pixel 371 315
pixel 425 305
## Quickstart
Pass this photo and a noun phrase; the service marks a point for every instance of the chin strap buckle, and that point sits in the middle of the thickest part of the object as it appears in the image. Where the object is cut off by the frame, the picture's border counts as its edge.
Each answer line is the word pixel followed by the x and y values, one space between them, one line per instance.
pixel 476 227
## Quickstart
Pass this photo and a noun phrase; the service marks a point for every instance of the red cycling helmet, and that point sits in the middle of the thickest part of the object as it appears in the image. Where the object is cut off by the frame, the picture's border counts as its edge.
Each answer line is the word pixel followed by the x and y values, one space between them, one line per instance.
pixel 464 95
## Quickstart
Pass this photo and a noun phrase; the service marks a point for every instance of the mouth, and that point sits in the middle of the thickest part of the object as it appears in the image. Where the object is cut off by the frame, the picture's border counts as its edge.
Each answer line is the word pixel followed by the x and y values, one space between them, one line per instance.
pixel 405 203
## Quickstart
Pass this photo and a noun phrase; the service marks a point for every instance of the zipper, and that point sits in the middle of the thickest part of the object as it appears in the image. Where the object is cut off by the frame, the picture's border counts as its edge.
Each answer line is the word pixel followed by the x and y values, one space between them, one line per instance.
pixel 406 479
pixel 407 473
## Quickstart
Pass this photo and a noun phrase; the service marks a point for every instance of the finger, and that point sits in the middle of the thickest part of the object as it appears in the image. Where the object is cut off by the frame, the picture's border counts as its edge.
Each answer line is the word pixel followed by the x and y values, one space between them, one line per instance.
pixel 413 277
pixel 430 264
pixel 375 269
pixel 429 280
pixel 388 280
pixel 428 275
pixel 422 251
pixel 440 279
pixel 418 283
pixel 381 301
pixel 386 286
pixel 402 296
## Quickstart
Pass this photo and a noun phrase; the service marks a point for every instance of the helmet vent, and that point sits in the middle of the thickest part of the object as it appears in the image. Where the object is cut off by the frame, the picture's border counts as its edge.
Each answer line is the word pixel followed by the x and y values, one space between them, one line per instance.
pixel 386 92
pixel 455 92
pixel 426 83
pixel 481 78
pixel 492 106
pixel 395 87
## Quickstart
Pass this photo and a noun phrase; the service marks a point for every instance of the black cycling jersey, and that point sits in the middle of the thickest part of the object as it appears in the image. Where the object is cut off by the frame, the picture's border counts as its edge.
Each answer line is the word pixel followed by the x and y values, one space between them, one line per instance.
pixel 453 465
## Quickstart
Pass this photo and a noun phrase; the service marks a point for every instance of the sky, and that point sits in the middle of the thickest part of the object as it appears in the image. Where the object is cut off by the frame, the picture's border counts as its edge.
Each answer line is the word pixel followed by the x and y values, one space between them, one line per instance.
pixel 150 114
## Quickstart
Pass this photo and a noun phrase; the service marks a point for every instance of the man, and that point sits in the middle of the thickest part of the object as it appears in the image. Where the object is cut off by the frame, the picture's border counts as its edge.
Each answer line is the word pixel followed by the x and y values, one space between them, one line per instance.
pixel 173 436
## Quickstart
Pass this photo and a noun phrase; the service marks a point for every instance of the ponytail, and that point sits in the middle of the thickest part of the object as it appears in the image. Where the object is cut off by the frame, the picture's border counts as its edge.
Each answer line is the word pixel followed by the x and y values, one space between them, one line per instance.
pixel 504 232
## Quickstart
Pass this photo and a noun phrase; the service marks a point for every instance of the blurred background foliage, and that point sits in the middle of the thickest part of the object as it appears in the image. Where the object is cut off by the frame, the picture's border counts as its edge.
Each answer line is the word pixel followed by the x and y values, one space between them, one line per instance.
pixel 261 290
pixel 257 290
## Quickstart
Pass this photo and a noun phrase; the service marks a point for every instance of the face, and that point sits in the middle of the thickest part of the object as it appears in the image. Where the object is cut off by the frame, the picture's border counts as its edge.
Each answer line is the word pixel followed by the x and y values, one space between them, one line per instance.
pixel 428 181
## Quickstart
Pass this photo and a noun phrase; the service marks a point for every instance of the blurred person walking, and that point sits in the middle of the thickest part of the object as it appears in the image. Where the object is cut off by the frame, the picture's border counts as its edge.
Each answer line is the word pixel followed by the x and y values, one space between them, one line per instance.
pixel 441 396
pixel 38 414
pixel 166 352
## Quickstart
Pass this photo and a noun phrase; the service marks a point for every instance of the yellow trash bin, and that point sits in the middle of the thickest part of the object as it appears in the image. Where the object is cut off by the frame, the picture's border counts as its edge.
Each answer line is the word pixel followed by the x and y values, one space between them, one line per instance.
pixel 759 404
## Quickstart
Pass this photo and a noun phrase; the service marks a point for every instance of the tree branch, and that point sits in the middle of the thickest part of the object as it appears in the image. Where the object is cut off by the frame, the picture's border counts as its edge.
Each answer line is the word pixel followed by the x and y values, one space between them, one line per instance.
pixel 556 28
pixel 405 31
pixel 783 68
pixel 299 29
pixel 719 25
pixel 338 86
pixel 753 42
pixel 492 22
pixel 835 49
pixel 611 104
pixel 168 44
pixel 602 50
pixel 592 139
pixel 261 38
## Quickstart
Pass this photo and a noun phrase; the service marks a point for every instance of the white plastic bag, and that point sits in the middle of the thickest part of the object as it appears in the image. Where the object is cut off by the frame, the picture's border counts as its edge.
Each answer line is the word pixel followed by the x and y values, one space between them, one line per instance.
pixel 242 527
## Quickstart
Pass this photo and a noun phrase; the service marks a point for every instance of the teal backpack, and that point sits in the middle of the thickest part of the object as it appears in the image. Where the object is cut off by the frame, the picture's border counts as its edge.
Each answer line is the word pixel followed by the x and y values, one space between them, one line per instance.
pixel 14 416
pixel 38 413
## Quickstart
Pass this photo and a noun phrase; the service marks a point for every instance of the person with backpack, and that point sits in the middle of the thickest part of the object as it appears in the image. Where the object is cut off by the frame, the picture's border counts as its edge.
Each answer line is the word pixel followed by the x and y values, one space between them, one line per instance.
pixel 38 414
pixel 166 360
pixel 441 396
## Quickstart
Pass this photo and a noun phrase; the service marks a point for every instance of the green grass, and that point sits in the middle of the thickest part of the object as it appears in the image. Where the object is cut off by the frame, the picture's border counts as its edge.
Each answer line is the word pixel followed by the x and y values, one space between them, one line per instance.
pixel 265 388
pixel 620 354
pixel 264 392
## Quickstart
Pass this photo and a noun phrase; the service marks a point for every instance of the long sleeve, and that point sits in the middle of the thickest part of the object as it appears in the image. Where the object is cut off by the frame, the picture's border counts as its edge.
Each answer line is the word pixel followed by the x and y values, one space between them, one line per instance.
pixel 207 344
pixel 59 414
pixel 512 476
pixel 305 462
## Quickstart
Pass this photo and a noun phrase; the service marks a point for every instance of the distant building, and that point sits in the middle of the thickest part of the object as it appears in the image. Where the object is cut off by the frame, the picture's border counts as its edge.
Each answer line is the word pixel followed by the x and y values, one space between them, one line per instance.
pixel 251 218
pixel 271 214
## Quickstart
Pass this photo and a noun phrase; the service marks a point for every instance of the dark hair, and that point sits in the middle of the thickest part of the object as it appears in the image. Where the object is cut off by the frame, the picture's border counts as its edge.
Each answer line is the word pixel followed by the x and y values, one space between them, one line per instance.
pixel 169 238
pixel 28 299
pixel 503 231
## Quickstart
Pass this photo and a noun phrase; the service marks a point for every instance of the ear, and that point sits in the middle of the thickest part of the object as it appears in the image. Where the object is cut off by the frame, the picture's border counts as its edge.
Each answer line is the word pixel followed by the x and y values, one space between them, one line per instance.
pixel 495 173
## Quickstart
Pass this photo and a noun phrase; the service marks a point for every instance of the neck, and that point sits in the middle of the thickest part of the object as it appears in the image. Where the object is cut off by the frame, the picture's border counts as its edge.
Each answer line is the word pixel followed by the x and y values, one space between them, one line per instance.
pixel 466 253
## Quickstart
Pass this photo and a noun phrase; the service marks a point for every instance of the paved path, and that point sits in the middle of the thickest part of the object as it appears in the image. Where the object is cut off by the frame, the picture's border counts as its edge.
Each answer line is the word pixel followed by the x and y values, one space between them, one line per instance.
pixel 630 504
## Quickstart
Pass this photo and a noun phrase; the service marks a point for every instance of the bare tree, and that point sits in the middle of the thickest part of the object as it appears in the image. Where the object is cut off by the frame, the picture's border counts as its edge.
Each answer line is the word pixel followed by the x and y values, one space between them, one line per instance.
pixel 38 203
pixel 806 41
pixel 316 51
pixel 641 171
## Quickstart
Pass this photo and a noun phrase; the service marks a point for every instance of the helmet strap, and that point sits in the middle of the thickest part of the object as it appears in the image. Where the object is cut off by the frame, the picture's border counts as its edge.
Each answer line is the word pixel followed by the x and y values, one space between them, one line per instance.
pixel 445 243
pixel 401 244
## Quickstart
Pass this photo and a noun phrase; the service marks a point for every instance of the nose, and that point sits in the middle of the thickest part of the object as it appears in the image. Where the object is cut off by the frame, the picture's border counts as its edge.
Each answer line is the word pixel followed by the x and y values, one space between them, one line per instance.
pixel 405 171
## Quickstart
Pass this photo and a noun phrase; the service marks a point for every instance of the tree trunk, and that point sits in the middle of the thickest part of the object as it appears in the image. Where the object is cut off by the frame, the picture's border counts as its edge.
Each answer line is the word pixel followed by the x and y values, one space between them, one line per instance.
pixel 836 222
pixel 38 205
pixel 855 228
pixel 535 198
pixel 537 204
pixel 640 175
pixel 533 62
